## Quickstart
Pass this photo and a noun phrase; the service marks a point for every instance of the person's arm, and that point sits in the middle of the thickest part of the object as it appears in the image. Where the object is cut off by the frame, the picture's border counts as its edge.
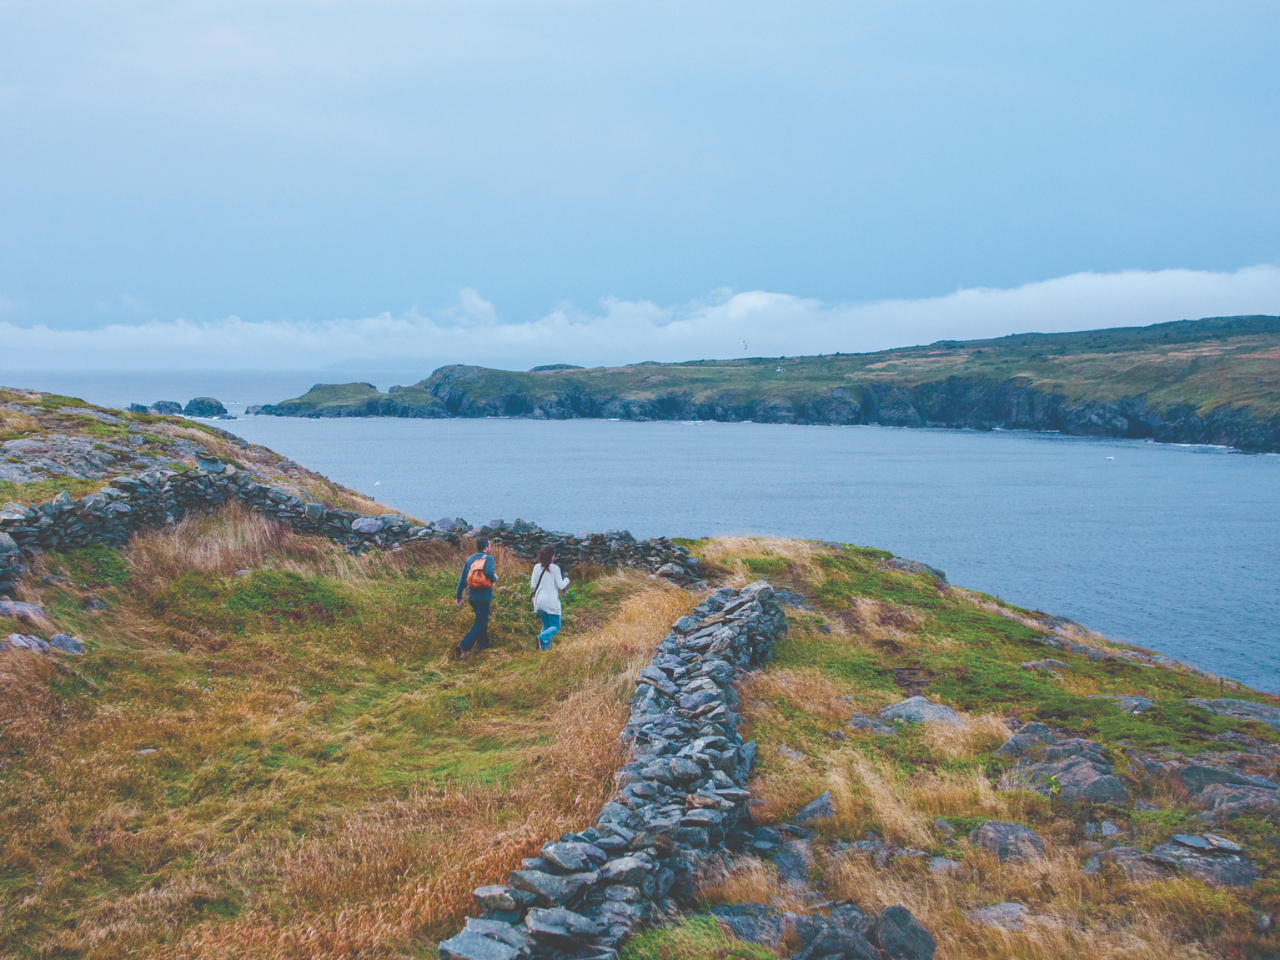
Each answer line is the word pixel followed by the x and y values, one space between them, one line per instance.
pixel 489 569
pixel 533 578
pixel 462 581
pixel 561 580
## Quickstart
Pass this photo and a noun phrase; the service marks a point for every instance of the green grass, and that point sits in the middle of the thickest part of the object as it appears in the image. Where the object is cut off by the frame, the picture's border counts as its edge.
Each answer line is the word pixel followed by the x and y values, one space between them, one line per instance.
pixel 697 938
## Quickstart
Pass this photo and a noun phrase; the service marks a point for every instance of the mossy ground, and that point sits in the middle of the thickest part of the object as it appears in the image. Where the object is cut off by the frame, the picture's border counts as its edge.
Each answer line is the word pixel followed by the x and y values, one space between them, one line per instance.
pixel 285 762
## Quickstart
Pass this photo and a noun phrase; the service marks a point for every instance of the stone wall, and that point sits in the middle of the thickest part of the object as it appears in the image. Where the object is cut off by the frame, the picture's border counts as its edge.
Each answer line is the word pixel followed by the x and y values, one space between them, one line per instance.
pixel 159 497
pixel 681 799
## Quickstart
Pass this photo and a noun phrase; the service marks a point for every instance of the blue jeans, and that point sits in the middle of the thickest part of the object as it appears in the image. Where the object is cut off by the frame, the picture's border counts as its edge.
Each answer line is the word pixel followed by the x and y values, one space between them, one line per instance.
pixel 550 627
pixel 480 629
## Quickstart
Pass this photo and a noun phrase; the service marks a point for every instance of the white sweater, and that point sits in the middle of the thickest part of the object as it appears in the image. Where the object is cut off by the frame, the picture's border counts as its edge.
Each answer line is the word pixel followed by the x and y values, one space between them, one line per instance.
pixel 547 597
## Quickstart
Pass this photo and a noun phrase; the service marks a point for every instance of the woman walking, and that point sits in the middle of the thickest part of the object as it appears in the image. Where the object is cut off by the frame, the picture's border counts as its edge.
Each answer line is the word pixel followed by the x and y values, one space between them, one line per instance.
pixel 546 582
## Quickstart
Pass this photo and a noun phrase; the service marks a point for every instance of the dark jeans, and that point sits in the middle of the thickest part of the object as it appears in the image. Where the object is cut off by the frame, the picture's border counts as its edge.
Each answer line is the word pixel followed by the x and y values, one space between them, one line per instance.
pixel 478 635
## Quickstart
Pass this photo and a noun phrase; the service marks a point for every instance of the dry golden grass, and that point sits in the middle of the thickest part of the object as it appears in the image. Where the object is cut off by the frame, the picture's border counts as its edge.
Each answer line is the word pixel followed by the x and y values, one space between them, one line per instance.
pixel 746 879
pixel 876 620
pixel 308 859
pixel 15 421
pixel 729 554
pixel 1054 890
pixel 979 735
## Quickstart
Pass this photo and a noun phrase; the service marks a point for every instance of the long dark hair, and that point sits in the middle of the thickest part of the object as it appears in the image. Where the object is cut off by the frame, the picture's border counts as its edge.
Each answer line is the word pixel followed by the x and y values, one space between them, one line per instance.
pixel 545 556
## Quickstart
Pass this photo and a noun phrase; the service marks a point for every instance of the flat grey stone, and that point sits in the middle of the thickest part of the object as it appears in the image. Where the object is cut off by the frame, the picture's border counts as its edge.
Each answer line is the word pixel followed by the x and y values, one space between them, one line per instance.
pixel 821 807
pixel 472 946
pixel 1008 916
pixel 920 710
pixel 1046 666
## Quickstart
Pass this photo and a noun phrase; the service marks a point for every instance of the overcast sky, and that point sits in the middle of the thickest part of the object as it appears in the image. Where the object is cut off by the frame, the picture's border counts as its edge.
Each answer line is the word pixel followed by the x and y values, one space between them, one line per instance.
pixel 299 182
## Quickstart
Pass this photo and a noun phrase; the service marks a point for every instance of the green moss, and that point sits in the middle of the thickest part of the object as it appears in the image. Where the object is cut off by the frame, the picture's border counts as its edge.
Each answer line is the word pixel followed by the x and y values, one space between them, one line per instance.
pixel 92 566
pixel 766 566
pixel 697 938
pixel 284 595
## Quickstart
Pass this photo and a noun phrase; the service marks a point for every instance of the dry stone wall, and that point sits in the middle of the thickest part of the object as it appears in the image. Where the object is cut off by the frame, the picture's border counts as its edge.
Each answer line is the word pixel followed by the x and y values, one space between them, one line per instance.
pixel 160 497
pixel 681 798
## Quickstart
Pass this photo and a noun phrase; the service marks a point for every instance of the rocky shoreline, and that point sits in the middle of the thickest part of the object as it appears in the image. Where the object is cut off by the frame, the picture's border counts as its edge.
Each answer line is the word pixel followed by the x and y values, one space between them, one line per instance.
pixel 956 402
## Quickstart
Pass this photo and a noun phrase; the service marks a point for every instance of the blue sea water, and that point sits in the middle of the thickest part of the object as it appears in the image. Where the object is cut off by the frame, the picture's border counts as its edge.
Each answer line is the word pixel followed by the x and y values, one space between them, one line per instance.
pixel 1174 548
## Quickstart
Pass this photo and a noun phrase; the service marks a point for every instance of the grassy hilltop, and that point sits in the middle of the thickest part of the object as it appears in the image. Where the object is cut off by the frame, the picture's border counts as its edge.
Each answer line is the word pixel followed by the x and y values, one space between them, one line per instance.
pixel 266 752
pixel 1190 381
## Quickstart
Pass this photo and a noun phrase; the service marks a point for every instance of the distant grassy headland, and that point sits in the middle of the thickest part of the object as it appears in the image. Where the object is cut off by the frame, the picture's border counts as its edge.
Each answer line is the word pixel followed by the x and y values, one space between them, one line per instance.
pixel 1194 381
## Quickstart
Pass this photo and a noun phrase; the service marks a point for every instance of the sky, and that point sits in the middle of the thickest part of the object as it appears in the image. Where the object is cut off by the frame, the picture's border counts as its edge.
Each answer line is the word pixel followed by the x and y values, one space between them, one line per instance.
pixel 307 183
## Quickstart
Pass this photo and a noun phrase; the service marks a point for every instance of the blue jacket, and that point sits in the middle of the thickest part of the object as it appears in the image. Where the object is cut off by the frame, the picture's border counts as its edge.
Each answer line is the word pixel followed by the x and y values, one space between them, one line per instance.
pixel 486 594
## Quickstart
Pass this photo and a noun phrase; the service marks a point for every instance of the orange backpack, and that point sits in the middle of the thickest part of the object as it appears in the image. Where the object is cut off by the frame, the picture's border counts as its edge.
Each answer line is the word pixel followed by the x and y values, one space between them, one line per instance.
pixel 476 580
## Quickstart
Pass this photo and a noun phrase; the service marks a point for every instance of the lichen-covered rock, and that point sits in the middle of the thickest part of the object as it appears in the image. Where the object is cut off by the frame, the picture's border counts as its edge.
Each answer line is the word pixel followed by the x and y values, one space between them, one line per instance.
pixel 920 710
pixel 821 807
pixel 1010 842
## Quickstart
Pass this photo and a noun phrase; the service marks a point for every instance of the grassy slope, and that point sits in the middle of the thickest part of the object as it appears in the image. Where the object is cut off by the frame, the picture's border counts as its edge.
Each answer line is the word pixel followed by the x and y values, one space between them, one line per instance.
pixel 41 417
pixel 327 783
pixel 325 779
pixel 1206 363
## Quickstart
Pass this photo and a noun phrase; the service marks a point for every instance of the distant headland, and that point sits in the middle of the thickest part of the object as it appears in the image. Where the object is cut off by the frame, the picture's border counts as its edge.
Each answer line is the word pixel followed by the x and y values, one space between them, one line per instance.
pixel 1211 381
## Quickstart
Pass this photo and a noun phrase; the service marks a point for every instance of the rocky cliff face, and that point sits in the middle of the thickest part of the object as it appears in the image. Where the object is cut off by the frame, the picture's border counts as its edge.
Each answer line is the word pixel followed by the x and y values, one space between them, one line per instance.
pixel 954 402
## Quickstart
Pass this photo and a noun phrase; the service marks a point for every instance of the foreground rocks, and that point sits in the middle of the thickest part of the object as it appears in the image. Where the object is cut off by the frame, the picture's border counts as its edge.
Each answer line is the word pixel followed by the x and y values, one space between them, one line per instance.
pixel 681 799
pixel 1068 769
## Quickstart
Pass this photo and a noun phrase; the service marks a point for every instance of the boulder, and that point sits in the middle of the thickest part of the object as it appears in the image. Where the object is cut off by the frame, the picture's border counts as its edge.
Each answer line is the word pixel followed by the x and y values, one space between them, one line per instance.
pixel 820 808
pixel 902 936
pixel 1028 738
pixel 793 861
pixel 1212 864
pixel 840 942
pixel 1010 842
pixel 1046 666
pixel 66 643
pixel 920 710
pixel 1070 770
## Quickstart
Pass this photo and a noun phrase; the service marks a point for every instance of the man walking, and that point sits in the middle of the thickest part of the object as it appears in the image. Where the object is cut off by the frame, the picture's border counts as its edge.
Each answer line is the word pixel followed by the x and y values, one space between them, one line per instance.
pixel 477 580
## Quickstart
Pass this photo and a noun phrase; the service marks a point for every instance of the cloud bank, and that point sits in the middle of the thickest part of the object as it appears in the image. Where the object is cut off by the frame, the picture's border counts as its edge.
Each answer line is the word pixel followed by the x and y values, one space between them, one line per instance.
pixel 725 324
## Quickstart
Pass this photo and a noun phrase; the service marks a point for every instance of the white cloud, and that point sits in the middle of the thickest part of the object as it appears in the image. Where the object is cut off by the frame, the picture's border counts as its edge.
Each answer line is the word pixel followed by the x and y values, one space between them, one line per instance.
pixel 623 331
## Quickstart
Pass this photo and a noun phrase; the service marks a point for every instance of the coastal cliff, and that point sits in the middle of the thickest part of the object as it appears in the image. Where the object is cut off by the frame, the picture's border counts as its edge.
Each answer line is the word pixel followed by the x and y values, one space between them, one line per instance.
pixel 1213 381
